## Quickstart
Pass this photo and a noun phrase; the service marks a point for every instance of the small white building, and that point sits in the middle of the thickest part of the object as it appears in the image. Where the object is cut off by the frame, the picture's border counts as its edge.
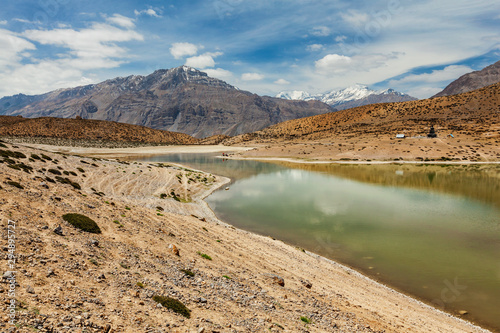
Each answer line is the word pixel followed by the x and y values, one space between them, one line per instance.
pixel 400 136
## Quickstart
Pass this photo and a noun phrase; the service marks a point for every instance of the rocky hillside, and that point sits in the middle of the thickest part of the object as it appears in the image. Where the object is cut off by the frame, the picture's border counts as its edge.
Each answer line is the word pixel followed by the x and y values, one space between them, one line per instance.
pixel 473 81
pixel 181 99
pixel 91 130
pixel 357 95
pixel 476 113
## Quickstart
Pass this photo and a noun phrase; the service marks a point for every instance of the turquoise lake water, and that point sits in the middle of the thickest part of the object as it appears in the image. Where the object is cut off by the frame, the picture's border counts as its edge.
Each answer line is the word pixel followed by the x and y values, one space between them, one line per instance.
pixel 430 231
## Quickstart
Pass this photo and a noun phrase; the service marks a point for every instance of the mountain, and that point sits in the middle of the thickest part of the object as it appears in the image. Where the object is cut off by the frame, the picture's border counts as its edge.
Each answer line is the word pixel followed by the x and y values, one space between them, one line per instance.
pixel 470 114
pixel 473 81
pixel 181 99
pixel 357 95
pixel 86 129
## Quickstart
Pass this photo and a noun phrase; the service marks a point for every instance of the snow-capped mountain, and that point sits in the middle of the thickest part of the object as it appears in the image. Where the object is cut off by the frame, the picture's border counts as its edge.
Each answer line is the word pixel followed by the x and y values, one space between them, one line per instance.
pixel 353 96
pixel 294 95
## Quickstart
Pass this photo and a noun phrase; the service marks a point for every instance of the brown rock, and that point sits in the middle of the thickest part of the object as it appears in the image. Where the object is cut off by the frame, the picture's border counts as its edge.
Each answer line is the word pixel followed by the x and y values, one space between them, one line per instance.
pixel 174 249
pixel 306 284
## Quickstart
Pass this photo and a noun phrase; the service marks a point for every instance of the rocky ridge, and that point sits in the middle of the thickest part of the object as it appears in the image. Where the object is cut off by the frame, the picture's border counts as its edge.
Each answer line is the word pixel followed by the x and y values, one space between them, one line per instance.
pixel 98 131
pixel 472 81
pixel 180 99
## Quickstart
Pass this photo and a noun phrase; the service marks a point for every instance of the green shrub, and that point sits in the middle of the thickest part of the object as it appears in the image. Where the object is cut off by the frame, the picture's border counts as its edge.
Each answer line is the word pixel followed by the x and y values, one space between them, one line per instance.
pixel 140 284
pixel 15 184
pixel 82 222
pixel 50 180
pixel 45 157
pixel 68 181
pixel 124 265
pixel 92 260
pixel 35 157
pixel 187 272
pixel 55 172
pixel 2 145
pixel 10 153
pixel 163 196
pixel 227 277
pixel 66 172
pixel 21 166
pixel 80 169
pixel 305 320
pixel 205 256
pixel 173 304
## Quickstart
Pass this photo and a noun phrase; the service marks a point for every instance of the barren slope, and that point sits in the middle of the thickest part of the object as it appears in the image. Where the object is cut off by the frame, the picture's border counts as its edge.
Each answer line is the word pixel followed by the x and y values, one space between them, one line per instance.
pixel 86 129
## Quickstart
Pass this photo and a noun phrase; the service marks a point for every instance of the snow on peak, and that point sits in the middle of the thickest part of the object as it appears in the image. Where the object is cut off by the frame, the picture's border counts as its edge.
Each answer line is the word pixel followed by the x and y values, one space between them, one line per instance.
pixel 294 95
pixel 338 97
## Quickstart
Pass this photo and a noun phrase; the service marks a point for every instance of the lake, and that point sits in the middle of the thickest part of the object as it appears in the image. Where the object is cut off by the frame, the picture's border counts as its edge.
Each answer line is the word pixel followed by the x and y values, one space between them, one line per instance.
pixel 430 231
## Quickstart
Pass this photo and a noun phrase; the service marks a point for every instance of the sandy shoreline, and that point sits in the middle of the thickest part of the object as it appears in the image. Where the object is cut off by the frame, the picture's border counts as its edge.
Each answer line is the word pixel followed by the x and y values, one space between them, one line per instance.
pixel 300 161
pixel 137 151
pixel 247 257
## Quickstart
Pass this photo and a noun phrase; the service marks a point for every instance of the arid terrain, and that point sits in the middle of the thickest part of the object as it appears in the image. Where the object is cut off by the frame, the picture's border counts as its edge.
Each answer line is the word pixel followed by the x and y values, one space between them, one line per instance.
pixel 467 128
pixel 160 239
pixel 98 132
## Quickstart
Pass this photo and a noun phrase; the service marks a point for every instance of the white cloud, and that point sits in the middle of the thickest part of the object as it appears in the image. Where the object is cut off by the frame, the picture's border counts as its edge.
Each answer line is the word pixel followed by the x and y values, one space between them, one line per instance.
pixel 92 48
pixel 203 60
pixel 333 63
pixel 179 50
pixel 149 11
pixel 340 39
pixel 339 64
pixel 321 31
pixel 12 48
pixel 26 21
pixel 252 76
pixel 282 82
pixel 219 73
pixel 95 42
pixel 448 73
pixel 314 47
pixel 355 17
pixel 3 22
pixel 121 21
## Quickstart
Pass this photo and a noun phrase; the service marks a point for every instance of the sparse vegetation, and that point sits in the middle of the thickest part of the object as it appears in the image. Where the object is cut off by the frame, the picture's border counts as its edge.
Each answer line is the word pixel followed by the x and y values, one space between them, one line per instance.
pixel 205 256
pixel 55 172
pixel 15 184
pixel 173 304
pixel 187 272
pixel 305 319
pixel 82 222
pixel 68 181
pixel 124 265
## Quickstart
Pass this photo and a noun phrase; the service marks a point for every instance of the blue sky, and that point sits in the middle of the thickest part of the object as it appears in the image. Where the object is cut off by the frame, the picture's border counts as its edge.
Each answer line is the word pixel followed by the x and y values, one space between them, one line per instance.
pixel 261 46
